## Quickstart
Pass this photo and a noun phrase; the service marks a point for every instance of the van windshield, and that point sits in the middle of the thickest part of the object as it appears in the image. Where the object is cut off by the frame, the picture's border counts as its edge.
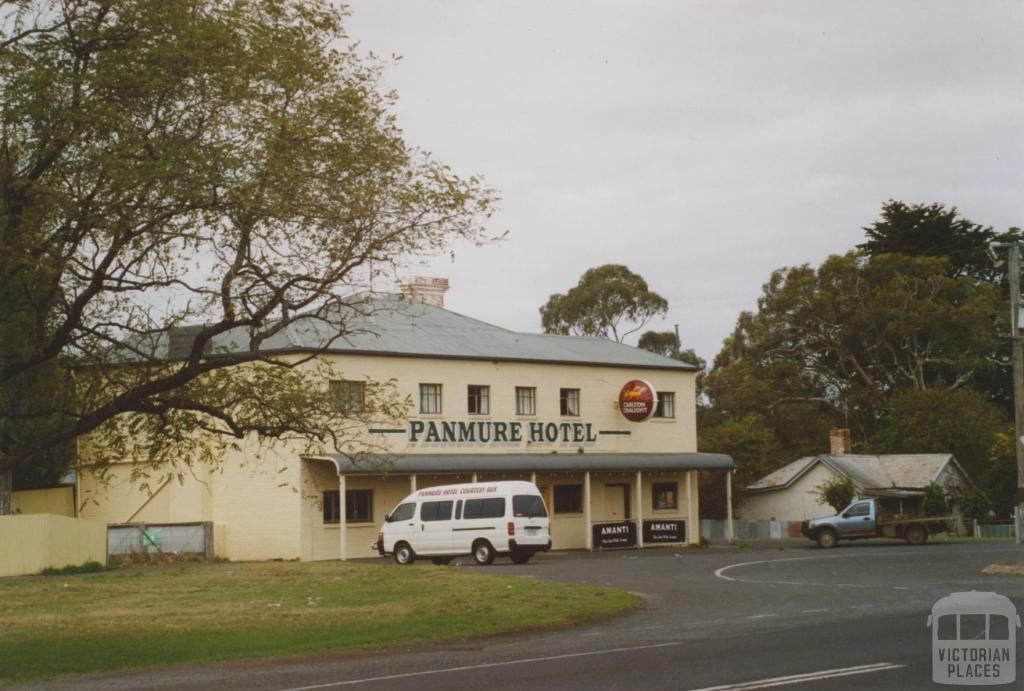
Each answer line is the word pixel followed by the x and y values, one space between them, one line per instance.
pixel 403 512
pixel 528 506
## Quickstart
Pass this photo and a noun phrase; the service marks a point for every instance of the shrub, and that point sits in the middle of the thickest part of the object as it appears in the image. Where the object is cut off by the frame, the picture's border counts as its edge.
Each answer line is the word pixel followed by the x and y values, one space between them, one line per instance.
pixel 70 569
pixel 935 503
pixel 837 492
pixel 975 505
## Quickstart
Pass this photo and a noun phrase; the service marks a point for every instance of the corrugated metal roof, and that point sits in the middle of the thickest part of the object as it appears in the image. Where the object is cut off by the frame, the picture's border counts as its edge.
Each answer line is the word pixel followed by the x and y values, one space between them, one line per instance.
pixel 889 472
pixel 525 462
pixel 784 476
pixel 390 324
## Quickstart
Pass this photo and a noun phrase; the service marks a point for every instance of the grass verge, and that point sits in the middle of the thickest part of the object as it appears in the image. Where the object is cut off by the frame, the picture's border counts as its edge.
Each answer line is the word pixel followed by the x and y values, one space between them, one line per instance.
pixel 192 613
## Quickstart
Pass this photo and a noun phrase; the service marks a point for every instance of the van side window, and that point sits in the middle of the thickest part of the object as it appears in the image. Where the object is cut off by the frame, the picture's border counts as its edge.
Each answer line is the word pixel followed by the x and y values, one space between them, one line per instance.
pixel 436 511
pixel 403 512
pixel 484 508
pixel 528 505
pixel 458 509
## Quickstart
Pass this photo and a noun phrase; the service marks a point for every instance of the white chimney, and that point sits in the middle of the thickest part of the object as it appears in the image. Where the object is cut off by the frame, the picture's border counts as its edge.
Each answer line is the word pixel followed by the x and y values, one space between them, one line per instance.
pixel 429 290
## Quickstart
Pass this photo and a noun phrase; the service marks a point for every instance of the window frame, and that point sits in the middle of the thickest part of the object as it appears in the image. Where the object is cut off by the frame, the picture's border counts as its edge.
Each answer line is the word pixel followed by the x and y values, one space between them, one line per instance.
pixel 331 506
pixel 482 396
pixel 555 510
pixel 659 410
pixel 341 399
pixel 526 393
pixel 425 395
pixel 657 487
pixel 564 395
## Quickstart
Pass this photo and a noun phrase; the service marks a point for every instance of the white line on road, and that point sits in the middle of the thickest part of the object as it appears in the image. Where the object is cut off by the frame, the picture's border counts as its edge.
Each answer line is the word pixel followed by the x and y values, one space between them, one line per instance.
pixel 761 616
pixel 813 611
pixel 720 573
pixel 803 678
pixel 484 665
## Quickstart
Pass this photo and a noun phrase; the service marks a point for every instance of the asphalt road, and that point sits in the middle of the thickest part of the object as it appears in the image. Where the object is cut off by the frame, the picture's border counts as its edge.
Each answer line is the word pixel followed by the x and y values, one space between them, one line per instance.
pixel 849 618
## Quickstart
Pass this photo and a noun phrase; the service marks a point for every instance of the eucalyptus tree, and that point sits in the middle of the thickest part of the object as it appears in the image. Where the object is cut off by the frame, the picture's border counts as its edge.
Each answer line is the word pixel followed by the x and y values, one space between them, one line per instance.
pixel 609 301
pixel 229 166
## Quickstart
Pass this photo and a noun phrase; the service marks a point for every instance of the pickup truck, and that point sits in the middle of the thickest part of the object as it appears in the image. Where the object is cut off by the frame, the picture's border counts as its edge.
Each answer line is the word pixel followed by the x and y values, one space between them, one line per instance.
pixel 862 519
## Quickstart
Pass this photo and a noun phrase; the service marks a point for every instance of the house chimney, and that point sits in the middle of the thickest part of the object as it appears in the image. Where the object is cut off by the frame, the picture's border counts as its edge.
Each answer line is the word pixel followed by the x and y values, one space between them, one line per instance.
pixel 426 289
pixel 839 442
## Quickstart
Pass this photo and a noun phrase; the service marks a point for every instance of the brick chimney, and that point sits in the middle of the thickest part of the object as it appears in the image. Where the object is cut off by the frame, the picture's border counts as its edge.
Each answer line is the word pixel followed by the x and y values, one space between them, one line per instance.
pixel 839 442
pixel 426 289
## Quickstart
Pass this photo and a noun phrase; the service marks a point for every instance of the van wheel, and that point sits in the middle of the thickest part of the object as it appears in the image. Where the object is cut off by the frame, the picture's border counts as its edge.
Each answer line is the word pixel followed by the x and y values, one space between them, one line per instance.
pixel 404 554
pixel 916 535
pixel 520 558
pixel 483 553
pixel 441 561
pixel 826 538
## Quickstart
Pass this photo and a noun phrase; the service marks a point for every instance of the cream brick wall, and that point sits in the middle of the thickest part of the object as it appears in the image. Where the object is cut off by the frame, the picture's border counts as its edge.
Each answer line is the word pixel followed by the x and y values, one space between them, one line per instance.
pixel 797 503
pixel 265 500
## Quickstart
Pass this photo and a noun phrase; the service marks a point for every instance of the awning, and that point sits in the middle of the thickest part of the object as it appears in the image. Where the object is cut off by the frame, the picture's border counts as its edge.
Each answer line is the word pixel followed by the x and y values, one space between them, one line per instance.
pixel 525 462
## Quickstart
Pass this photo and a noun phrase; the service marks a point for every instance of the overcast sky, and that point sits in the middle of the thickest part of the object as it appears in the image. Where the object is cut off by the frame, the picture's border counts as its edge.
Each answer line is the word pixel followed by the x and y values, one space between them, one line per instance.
pixel 702 144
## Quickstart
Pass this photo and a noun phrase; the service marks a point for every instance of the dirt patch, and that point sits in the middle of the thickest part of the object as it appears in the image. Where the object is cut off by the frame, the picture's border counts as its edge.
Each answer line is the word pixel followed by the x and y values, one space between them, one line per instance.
pixel 1004 570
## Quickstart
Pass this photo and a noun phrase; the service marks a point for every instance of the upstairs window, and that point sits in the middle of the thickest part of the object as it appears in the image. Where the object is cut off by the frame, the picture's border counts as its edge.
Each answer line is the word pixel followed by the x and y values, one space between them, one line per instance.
pixel 666 404
pixel 479 400
pixel 569 402
pixel 430 399
pixel 526 400
pixel 347 396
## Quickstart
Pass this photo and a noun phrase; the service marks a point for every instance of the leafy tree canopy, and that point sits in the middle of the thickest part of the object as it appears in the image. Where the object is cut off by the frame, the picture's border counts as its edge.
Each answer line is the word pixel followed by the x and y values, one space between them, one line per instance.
pixel 667 343
pixel 957 421
pixel 228 164
pixel 609 301
pixel 932 230
pixel 837 492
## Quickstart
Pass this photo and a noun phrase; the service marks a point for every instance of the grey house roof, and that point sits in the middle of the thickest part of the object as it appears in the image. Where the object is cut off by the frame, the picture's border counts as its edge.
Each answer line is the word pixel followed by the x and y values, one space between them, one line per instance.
pixel 391 325
pixel 891 473
pixel 525 462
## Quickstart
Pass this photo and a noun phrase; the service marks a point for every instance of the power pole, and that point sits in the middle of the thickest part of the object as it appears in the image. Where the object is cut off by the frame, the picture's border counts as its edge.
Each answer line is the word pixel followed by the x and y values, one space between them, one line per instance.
pixel 1013 274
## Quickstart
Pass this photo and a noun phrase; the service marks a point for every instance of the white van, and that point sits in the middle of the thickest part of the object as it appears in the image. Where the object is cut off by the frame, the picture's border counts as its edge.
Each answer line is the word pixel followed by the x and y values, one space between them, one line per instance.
pixel 484 519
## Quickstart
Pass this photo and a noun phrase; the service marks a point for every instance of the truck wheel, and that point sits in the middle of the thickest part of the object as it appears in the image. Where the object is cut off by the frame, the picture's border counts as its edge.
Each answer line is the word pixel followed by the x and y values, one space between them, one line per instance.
pixel 404 554
pixel 826 538
pixel 520 557
pixel 441 561
pixel 483 553
pixel 916 535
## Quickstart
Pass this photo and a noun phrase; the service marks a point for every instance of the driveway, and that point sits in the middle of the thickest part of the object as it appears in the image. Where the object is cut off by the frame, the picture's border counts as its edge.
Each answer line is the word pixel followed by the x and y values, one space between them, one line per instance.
pixel 730 618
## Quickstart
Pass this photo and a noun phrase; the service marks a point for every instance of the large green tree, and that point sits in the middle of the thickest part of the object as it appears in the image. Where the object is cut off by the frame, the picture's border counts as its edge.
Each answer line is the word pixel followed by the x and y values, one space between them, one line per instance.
pixel 833 345
pixel 610 301
pixel 932 230
pixel 228 164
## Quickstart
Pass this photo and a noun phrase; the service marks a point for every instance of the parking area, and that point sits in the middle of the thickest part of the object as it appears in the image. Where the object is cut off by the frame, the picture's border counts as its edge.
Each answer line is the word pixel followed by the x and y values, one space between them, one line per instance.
pixel 851 617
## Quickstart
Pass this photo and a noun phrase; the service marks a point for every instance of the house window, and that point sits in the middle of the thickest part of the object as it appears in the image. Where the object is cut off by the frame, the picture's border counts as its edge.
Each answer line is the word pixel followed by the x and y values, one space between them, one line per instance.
pixel 479 400
pixel 569 401
pixel 666 405
pixel 568 498
pixel 358 506
pixel 666 495
pixel 347 396
pixel 526 400
pixel 430 398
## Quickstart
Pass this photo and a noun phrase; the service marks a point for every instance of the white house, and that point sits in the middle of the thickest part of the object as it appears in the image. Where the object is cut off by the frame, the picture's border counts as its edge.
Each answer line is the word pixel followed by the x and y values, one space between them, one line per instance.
pixel 790 493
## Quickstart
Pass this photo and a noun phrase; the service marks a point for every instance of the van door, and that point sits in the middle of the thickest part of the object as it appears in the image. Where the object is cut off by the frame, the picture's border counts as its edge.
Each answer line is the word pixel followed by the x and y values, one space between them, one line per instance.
pixel 435 528
pixel 481 518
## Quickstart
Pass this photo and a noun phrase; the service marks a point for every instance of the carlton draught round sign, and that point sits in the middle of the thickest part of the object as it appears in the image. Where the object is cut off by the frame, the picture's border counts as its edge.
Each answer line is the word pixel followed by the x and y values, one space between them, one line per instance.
pixel 637 400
